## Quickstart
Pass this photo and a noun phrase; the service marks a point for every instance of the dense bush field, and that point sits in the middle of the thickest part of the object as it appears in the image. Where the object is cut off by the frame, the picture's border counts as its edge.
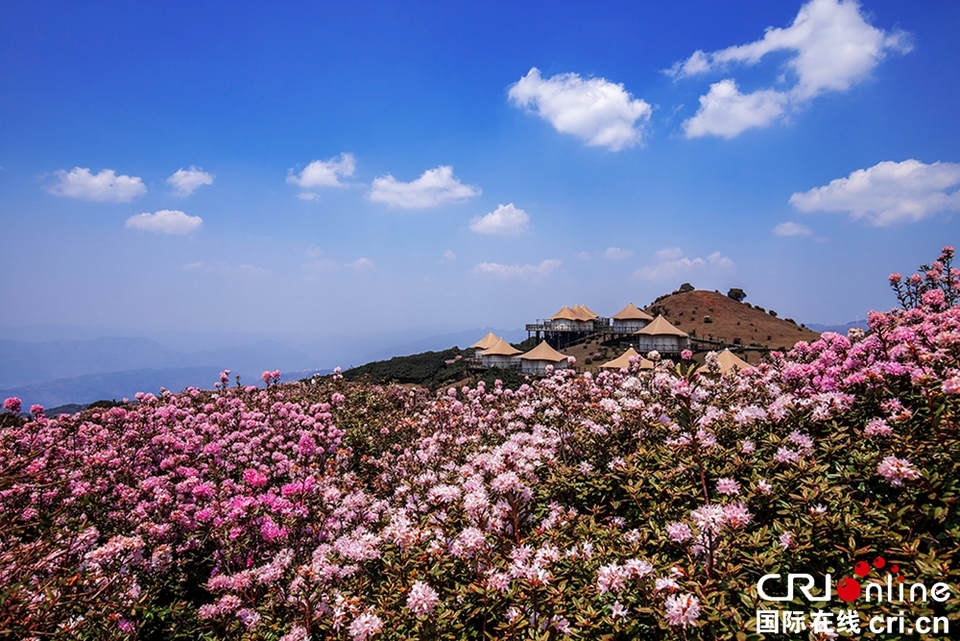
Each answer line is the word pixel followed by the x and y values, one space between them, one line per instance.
pixel 622 506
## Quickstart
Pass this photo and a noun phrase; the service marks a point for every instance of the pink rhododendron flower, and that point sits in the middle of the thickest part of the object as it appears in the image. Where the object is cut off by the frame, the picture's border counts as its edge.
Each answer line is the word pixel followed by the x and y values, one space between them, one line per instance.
pixel 12 404
pixel 682 609
pixel 679 532
pixel 365 627
pixel 728 487
pixel 736 515
pixel 877 427
pixel 951 386
pixel 897 470
pixel 422 599
pixel 617 611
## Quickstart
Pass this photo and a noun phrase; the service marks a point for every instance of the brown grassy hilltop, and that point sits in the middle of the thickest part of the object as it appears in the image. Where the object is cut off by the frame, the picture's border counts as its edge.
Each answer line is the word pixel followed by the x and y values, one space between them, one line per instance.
pixel 711 315
pixel 714 316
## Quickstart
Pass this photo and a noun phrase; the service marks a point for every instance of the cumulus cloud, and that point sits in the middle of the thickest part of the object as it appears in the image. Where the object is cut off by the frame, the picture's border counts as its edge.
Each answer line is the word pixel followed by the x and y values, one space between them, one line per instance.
pixel 726 112
pixel 668 253
pixel 525 272
pixel 434 188
pixel 599 112
pixel 506 220
pixel 449 255
pixel 361 265
pixel 674 265
pixel 324 173
pixel 105 186
pixel 186 181
pixel 165 221
pixel 888 193
pixel 615 253
pixel 790 228
pixel 831 46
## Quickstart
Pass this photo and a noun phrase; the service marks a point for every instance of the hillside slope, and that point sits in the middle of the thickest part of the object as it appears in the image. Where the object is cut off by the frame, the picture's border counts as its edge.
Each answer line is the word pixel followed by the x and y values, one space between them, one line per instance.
pixel 711 315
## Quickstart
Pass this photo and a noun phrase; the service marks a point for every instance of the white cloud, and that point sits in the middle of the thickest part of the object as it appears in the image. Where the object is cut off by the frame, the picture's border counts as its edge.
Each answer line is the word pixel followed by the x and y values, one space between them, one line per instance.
pixel 449 255
pixel 674 266
pixel 165 221
pixel 324 173
pixel 434 188
pixel 584 255
pixel 526 272
pixel 506 220
pixel 726 112
pixel 186 181
pixel 320 263
pixel 307 195
pixel 832 46
pixel 220 267
pixel 790 228
pixel 595 110
pixel 105 186
pixel 888 193
pixel 361 265
pixel 615 253
pixel 668 253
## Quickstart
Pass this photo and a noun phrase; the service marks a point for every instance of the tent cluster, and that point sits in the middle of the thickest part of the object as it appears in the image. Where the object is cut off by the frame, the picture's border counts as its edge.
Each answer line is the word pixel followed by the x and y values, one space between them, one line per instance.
pixel 493 351
pixel 652 333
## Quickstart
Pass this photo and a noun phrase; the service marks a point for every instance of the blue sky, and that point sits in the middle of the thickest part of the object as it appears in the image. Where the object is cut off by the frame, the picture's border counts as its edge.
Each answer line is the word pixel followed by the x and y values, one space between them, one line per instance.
pixel 310 169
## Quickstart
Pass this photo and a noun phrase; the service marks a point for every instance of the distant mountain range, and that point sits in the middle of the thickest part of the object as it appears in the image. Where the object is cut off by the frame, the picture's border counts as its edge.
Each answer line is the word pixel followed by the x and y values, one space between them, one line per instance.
pixel 81 371
pixel 838 329
pixel 26 363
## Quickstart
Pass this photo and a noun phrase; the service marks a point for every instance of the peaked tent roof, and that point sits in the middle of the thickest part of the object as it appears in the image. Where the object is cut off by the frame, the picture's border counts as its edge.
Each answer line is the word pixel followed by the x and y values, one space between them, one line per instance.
pixel 565 313
pixel 487 341
pixel 584 313
pixel 632 312
pixel 500 348
pixel 660 327
pixel 624 361
pixel 729 360
pixel 543 352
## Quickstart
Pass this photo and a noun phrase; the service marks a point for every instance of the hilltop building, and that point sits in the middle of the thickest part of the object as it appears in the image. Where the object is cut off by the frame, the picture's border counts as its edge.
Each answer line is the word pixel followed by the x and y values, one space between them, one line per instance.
pixel 728 361
pixel 537 359
pixel 623 361
pixel 661 336
pixel 486 342
pixel 568 325
pixel 630 319
pixel 501 354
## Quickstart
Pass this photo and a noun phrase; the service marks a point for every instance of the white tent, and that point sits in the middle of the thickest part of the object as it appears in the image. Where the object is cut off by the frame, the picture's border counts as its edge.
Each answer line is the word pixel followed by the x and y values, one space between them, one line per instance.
pixel 500 354
pixel 623 361
pixel 661 336
pixel 536 360
pixel 728 361
pixel 630 319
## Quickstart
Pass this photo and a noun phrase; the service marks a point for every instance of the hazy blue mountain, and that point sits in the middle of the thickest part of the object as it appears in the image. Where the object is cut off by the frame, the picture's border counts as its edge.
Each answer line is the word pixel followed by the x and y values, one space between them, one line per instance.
pixel 27 363
pixel 112 385
pixel 838 329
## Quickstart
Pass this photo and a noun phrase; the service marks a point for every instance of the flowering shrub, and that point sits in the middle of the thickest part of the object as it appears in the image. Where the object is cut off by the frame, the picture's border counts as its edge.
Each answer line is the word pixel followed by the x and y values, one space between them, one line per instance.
pixel 625 505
